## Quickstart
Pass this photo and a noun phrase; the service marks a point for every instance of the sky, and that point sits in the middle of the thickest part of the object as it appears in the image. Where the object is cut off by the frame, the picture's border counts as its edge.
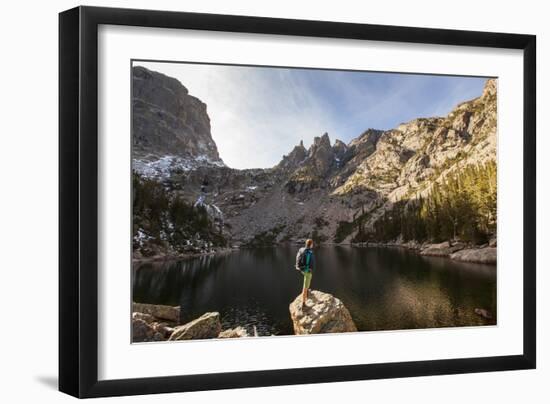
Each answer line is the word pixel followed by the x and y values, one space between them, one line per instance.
pixel 258 114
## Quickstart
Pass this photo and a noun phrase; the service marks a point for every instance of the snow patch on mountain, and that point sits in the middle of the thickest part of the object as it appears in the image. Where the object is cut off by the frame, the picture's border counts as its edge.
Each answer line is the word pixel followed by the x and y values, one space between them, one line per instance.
pixel 212 210
pixel 165 166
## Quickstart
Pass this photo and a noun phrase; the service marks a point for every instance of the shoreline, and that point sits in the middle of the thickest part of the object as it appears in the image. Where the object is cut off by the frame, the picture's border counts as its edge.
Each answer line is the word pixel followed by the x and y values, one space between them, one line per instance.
pixel 456 251
pixel 183 256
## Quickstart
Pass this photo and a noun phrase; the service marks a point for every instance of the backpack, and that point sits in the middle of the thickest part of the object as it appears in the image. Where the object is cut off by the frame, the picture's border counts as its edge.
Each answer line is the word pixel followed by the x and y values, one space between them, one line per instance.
pixel 301 259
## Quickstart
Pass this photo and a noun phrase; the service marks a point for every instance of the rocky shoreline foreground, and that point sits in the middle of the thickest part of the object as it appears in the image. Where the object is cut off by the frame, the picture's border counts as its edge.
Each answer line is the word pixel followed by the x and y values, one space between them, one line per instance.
pixel 322 314
pixel 156 322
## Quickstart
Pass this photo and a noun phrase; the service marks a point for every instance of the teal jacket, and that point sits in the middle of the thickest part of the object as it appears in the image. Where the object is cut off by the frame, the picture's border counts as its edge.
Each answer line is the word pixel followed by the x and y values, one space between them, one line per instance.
pixel 310 259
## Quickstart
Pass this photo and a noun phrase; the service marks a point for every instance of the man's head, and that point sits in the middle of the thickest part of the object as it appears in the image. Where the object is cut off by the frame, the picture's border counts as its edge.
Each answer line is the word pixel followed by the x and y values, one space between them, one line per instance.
pixel 309 243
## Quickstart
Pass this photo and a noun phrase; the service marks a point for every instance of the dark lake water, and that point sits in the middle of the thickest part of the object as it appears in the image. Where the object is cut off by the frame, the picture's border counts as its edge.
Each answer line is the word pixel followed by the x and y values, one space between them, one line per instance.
pixel 383 288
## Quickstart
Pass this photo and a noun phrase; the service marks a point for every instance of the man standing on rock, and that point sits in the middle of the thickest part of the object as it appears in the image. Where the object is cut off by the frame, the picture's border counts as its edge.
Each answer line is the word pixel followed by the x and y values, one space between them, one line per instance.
pixel 305 264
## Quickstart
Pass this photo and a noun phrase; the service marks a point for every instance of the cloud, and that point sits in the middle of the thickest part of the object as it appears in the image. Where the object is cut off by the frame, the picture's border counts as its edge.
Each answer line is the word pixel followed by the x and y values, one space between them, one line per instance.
pixel 257 115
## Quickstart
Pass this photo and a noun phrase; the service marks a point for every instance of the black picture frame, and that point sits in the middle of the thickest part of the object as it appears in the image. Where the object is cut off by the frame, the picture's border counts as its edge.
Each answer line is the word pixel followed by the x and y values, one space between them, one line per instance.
pixel 78 200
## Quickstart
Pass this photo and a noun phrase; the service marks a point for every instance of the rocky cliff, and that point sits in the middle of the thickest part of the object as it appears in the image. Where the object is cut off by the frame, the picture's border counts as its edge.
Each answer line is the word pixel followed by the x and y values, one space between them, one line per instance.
pixel 170 127
pixel 312 191
pixel 416 153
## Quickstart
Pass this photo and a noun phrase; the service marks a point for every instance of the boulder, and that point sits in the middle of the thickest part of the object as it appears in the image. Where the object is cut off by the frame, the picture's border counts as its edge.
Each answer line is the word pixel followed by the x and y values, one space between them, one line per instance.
pixel 143 332
pixel 153 330
pixel 486 314
pixel 163 329
pixel 323 313
pixel 412 245
pixel 143 316
pixel 237 332
pixel 206 326
pixel 487 255
pixel 442 249
pixel 159 311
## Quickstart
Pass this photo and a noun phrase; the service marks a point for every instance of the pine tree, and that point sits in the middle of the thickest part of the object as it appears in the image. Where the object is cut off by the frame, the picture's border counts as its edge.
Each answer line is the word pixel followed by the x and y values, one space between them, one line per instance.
pixel 463 206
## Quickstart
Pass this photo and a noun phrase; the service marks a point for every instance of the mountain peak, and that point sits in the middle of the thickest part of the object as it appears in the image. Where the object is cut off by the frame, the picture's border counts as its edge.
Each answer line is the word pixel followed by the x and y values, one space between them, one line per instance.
pixel 490 88
pixel 321 141
pixel 292 160
pixel 370 136
pixel 168 121
pixel 142 73
pixel 339 148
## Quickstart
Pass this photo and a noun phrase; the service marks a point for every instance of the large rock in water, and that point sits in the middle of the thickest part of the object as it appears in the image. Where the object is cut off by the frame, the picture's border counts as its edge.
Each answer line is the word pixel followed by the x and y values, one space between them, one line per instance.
pixel 323 314
pixel 486 255
pixel 442 249
pixel 159 311
pixel 206 326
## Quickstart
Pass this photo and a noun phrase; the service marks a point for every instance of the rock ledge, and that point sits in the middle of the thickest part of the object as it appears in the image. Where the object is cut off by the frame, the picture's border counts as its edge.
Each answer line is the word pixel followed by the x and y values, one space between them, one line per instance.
pixel 323 313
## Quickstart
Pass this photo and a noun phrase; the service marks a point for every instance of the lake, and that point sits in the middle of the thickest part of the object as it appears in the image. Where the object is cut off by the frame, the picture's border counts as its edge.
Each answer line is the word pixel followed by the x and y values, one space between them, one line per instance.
pixel 383 288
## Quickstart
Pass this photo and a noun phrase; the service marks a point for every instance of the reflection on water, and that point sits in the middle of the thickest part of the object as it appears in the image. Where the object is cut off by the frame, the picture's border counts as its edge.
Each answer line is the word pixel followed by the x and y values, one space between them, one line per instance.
pixel 384 288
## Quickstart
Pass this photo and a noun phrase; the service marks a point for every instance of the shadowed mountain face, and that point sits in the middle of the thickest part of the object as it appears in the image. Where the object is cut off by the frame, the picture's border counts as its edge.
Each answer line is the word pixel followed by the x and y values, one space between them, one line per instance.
pixel 167 121
pixel 312 189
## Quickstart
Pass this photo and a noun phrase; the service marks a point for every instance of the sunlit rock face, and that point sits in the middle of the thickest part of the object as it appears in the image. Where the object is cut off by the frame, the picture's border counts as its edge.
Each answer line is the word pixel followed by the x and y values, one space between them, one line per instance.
pixel 206 326
pixel 322 313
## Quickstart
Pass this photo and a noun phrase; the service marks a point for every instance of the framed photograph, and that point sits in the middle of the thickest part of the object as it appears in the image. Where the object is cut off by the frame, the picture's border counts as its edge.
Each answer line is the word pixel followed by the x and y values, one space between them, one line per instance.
pixel 251 201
